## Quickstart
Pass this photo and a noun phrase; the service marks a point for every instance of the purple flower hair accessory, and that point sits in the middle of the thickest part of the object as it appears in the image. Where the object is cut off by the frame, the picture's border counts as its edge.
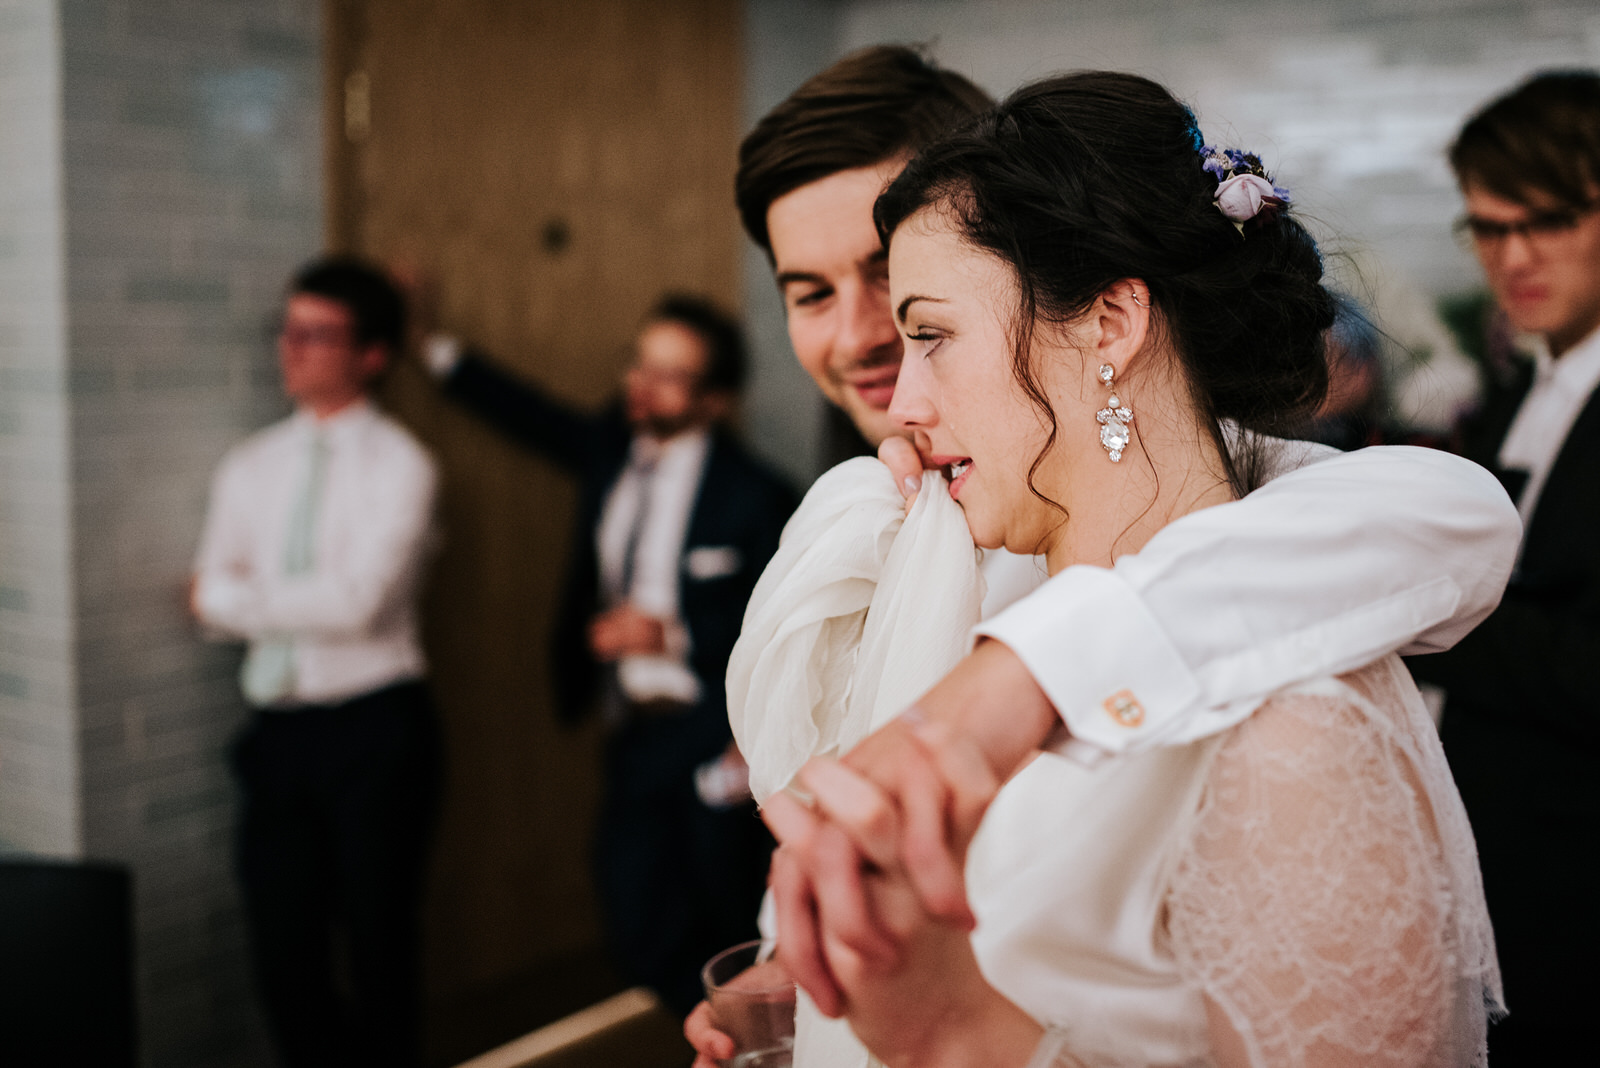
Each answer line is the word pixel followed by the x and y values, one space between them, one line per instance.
pixel 1243 189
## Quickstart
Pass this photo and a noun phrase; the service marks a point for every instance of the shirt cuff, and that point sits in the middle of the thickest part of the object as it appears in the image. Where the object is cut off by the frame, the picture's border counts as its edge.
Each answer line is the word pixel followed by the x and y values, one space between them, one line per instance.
pixel 675 640
pixel 440 354
pixel 655 678
pixel 1114 676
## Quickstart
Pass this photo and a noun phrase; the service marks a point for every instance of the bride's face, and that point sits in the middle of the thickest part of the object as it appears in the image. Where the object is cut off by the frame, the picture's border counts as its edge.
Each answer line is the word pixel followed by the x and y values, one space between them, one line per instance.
pixel 957 392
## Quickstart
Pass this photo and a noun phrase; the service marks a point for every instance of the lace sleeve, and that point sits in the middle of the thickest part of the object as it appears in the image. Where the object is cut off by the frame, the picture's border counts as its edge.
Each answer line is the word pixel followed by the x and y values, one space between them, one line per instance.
pixel 1327 902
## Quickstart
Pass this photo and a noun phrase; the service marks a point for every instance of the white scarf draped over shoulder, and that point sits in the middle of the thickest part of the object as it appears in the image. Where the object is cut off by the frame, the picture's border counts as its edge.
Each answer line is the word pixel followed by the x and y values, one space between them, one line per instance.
pixel 861 611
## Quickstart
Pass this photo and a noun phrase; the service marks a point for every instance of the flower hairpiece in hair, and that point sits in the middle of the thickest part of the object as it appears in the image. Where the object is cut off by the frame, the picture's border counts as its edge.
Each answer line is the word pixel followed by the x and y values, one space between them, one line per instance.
pixel 1243 189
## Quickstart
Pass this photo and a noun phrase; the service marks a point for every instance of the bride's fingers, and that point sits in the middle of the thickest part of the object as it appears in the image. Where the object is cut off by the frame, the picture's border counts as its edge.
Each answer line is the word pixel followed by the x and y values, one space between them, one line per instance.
pixel 932 861
pixel 847 907
pixel 832 869
pixel 936 841
pixel 905 464
pixel 801 933
pixel 906 771
pixel 800 936
pixel 865 813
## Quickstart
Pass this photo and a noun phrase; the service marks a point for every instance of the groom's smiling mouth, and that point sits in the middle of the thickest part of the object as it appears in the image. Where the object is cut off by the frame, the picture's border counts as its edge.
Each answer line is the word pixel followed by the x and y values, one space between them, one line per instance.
pixel 875 385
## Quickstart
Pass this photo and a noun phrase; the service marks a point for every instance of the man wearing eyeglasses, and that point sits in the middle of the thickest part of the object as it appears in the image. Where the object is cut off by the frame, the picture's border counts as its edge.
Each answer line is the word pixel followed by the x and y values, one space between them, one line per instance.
pixel 676 521
pixel 1522 716
pixel 314 546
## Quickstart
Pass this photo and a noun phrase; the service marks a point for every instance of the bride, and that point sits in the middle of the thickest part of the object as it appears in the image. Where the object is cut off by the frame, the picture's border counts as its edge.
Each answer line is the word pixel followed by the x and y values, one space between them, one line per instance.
pixel 1100 312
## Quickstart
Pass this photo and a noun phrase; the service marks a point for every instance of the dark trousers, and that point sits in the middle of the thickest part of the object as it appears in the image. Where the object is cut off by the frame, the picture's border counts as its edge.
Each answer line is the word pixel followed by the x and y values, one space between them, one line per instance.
pixel 678 881
pixel 338 805
pixel 1534 803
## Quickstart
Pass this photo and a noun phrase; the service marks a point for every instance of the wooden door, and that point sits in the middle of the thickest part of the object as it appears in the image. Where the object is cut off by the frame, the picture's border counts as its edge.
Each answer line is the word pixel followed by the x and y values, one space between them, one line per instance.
pixel 553 166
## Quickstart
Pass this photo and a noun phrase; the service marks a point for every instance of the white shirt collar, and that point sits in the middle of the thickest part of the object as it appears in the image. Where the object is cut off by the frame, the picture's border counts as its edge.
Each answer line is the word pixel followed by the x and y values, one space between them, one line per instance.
pixel 345 421
pixel 647 449
pixel 1577 369
pixel 1560 389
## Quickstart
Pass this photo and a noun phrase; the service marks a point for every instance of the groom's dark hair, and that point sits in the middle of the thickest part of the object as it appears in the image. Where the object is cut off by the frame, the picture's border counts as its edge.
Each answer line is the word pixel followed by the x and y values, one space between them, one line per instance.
pixel 873 105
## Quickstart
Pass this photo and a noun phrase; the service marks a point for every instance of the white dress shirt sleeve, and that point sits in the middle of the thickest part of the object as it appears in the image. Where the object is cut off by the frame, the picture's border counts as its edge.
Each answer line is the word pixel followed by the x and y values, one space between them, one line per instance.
pixel 391 543
pixel 1320 571
pixel 223 568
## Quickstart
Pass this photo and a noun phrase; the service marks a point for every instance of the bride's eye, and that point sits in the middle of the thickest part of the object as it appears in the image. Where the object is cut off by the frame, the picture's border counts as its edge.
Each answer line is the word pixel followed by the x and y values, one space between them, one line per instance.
pixel 930 341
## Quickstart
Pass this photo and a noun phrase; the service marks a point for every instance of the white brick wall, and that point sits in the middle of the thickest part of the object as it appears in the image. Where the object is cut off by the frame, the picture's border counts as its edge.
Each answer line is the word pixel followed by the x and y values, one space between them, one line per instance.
pixel 159 179
pixel 39 808
pixel 192 149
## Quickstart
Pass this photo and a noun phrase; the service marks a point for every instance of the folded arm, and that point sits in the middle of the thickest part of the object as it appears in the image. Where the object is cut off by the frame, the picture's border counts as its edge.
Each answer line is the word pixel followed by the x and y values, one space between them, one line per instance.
pixel 382 566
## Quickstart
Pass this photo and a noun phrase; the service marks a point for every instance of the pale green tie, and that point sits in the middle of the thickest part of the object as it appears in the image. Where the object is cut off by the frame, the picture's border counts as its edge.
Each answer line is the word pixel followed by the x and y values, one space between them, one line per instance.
pixel 268 673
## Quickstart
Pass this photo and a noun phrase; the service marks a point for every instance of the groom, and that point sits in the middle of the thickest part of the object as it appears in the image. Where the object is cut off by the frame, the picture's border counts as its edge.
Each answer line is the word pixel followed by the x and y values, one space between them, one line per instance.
pixel 1414 547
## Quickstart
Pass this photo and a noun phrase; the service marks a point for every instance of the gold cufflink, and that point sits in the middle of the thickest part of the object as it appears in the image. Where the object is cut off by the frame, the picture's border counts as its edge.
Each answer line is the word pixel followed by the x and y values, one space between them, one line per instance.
pixel 1123 707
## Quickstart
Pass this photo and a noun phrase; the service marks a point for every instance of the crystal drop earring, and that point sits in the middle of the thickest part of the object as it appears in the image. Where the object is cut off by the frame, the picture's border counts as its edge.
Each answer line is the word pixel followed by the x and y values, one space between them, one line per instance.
pixel 1113 418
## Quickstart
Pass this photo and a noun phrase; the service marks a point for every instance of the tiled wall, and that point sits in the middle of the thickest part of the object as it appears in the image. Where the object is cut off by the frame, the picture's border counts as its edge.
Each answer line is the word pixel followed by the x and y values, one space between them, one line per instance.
pixel 39 810
pixel 144 245
pixel 193 188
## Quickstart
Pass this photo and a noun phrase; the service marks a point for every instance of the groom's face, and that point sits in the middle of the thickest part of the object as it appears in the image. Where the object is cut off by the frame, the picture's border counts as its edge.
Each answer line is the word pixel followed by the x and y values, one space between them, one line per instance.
pixel 834 276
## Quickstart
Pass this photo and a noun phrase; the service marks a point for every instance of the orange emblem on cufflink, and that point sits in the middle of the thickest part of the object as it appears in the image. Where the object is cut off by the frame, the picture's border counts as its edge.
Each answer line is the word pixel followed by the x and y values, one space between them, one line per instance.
pixel 1123 707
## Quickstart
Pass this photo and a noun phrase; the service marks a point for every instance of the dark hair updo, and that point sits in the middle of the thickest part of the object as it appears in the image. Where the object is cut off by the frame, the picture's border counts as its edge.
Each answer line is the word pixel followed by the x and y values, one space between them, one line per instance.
pixel 1082 180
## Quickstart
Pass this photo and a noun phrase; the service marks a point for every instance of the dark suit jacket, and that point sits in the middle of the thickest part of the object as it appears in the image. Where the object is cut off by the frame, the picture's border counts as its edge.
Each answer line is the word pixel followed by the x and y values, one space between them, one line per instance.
pixel 741 505
pixel 1533 663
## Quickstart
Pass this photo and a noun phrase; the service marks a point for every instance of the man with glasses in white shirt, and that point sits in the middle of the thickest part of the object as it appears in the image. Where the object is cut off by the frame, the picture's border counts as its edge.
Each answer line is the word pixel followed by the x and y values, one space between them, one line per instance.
pixel 1522 708
pixel 313 552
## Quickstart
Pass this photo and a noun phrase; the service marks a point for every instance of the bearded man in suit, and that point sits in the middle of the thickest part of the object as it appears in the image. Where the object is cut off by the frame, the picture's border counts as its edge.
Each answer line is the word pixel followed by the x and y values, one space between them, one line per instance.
pixel 676 521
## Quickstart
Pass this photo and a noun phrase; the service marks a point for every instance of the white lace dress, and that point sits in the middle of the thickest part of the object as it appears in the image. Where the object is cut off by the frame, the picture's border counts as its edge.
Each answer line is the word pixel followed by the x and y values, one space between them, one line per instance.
pixel 1300 890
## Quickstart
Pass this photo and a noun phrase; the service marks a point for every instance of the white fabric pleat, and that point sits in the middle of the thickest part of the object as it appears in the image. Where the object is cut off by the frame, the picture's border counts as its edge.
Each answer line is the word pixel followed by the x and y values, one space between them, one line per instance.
pixel 860 612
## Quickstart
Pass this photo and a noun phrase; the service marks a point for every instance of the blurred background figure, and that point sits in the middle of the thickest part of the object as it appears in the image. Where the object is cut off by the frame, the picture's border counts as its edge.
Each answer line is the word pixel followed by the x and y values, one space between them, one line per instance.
pixel 313 552
pixel 676 522
pixel 1352 414
pixel 1521 722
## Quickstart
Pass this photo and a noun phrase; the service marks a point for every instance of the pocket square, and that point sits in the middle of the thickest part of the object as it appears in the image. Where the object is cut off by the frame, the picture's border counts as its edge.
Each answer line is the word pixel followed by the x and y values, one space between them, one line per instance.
pixel 710 562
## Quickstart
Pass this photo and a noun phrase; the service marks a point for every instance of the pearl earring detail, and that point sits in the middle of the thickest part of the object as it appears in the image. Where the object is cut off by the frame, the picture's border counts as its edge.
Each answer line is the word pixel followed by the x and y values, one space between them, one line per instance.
pixel 1113 418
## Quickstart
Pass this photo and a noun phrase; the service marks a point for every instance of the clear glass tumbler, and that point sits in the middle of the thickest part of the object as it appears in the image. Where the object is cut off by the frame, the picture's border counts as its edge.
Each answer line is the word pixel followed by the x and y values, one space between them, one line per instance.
pixel 752 1000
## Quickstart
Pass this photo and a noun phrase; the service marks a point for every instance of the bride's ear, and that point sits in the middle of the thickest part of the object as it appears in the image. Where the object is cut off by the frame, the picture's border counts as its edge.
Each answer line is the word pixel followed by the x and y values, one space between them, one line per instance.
pixel 1122 314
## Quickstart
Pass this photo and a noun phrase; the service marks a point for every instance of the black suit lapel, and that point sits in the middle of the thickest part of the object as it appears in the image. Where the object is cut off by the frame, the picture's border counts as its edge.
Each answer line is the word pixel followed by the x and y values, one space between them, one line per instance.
pixel 1486 431
pixel 1566 521
pixel 705 516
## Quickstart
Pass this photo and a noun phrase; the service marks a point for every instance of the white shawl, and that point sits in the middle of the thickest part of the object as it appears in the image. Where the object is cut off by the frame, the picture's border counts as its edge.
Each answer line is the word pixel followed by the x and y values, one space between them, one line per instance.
pixel 840 637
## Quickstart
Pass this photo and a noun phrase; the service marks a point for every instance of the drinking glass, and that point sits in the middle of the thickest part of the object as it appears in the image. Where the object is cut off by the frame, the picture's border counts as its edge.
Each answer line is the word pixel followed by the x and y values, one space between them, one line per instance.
pixel 752 1001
